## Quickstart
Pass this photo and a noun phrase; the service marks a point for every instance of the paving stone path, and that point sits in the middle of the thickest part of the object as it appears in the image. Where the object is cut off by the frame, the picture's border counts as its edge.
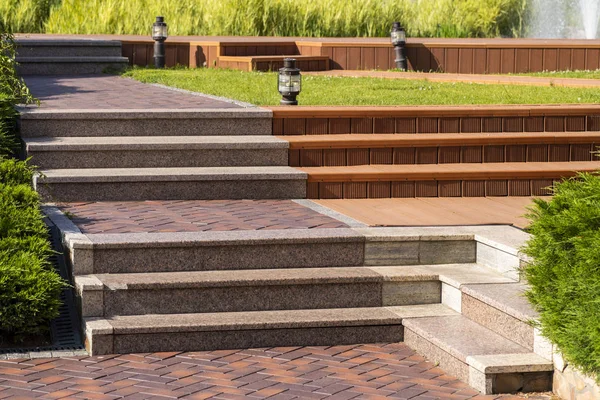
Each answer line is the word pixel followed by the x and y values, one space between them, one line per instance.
pixel 195 216
pixel 342 372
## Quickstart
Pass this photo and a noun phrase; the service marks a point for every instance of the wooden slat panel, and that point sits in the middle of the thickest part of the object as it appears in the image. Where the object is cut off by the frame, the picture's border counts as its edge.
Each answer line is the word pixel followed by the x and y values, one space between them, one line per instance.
pixel 496 188
pixel 533 124
pixel 447 155
pixel 183 55
pixel 555 124
pixel 340 58
pixel 406 125
pixel 578 59
pixel 357 157
pixel 451 65
pixel 403 189
pixel 339 125
pixel 581 152
pixel 355 190
pixel 449 125
pixel 559 152
pixel 367 58
pixel 277 126
pixel 508 61
pixel 354 56
pixel 541 187
pixel 294 126
pixel 382 58
pixel 593 123
pixel 564 59
pixel 519 187
pixel 522 60
pixel 536 60
pixel 449 188
pixel 384 125
pixel 516 153
pixel 465 61
pixel 575 124
pixel 494 61
pixel 479 61
pixel 423 59
pixel 317 126
pixel 473 188
pixel 334 157
pixel 438 59
pixel 512 124
pixel 493 124
pixel 426 189
pixel 361 125
pixel 472 154
pixel 411 58
pixel 312 190
pixel 404 155
pixel 427 125
pixel 127 51
pixel 592 59
pixel 170 56
pixel 311 158
pixel 426 155
pixel 382 156
pixel 140 58
pixel 470 125
pixel 537 153
pixel 294 158
pixel 331 190
pixel 379 190
pixel 493 154
pixel 550 59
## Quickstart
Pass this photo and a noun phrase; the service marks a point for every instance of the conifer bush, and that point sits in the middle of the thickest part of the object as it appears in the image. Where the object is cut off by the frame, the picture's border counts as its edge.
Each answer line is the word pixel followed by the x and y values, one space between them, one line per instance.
pixel 564 274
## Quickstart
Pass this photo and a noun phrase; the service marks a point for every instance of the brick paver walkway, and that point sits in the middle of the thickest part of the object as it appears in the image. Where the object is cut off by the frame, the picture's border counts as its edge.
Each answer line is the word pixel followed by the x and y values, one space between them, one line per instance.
pixel 340 372
pixel 195 216
pixel 112 92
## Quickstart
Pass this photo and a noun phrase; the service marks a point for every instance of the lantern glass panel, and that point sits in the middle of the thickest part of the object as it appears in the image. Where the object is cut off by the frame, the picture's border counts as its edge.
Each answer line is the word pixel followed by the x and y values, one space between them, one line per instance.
pixel 159 32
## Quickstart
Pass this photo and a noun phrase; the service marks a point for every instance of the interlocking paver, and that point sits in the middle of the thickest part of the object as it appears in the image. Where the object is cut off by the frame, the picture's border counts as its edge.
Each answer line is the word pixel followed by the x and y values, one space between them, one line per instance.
pixel 284 373
pixel 112 92
pixel 195 216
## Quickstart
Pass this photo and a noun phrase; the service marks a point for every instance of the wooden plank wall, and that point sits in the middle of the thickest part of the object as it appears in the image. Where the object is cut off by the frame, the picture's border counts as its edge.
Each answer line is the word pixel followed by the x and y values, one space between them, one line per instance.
pixel 142 54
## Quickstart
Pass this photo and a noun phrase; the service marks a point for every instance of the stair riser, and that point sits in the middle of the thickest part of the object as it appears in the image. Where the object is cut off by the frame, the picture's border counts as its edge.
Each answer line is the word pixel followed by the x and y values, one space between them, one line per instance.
pixel 216 340
pixel 156 190
pixel 430 188
pixel 498 321
pixel 420 252
pixel 68 51
pixel 158 158
pixel 442 155
pixel 70 68
pixel 144 127
pixel 212 258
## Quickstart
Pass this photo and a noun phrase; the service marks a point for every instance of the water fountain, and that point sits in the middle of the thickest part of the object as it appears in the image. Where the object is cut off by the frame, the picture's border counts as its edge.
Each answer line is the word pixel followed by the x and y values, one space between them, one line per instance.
pixel 573 19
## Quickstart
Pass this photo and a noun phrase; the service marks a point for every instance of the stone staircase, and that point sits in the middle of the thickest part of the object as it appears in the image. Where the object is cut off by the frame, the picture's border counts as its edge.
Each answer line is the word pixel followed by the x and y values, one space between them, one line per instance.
pixel 68 57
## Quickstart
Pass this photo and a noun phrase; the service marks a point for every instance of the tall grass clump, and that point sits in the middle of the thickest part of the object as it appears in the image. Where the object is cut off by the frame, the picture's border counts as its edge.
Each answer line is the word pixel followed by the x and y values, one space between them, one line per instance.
pixel 307 18
pixel 564 275
pixel 25 15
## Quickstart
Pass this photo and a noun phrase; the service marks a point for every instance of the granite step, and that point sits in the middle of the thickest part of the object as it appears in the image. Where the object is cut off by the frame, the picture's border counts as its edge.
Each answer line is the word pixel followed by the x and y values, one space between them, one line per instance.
pixel 212 331
pixel 105 295
pixel 39 122
pixel 156 151
pixel 214 250
pixel 68 48
pixel 478 356
pixel 69 65
pixel 200 183
pixel 503 309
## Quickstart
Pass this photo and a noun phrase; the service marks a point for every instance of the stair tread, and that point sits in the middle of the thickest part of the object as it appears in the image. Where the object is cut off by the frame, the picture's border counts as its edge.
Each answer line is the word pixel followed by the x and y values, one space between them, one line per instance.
pixel 461 337
pixel 252 320
pixel 508 298
pixel 450 171
pixel 170 174
pixel 433 139
pixel 153 143
pixel 453 274
pixel 272 57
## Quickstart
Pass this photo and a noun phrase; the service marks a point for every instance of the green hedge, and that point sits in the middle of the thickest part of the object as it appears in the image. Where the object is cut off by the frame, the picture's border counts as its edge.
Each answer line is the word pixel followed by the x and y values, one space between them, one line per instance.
pixel 565 271
pixel 29 285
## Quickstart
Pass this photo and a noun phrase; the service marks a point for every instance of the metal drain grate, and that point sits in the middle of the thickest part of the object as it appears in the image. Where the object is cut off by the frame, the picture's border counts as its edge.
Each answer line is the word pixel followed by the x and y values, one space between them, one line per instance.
pixel 65 329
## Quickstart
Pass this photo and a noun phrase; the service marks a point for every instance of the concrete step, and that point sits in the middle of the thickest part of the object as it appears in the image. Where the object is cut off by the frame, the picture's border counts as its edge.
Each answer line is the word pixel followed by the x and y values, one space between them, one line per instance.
pixel 156 151
pixel 440 180
pixel 268 63
pixel 211 331
pixel 478 356
pixel 440 148
pixel 215 250
pixel 214 183
pixel 69 65
pixel 105 295
pixel 38 122
pixel 68 48
pixel 503 309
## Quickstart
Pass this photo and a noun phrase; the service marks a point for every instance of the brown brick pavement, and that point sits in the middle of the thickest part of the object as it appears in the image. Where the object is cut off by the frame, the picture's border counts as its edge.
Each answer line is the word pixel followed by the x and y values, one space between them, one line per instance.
pixel 112 92
pixel 340 372
pixel 195 216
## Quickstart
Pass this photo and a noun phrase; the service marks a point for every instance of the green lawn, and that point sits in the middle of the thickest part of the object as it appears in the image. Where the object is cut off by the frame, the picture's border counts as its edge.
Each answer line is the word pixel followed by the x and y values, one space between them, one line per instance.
pixel 566 74
pixel 261 89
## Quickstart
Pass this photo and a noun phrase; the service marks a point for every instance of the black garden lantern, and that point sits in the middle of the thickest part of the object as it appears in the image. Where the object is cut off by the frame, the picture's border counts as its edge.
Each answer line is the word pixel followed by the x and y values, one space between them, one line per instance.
pixel 398 36
pixel 289 82
pixel 159 34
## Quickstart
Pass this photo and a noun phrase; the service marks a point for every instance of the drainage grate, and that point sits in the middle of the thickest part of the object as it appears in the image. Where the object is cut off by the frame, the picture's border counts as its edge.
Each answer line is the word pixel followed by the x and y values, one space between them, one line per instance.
pixel 65 329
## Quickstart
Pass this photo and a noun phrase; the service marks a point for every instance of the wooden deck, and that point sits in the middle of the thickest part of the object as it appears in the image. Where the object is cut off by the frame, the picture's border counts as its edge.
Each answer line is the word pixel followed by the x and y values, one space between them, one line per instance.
pixel 435 211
